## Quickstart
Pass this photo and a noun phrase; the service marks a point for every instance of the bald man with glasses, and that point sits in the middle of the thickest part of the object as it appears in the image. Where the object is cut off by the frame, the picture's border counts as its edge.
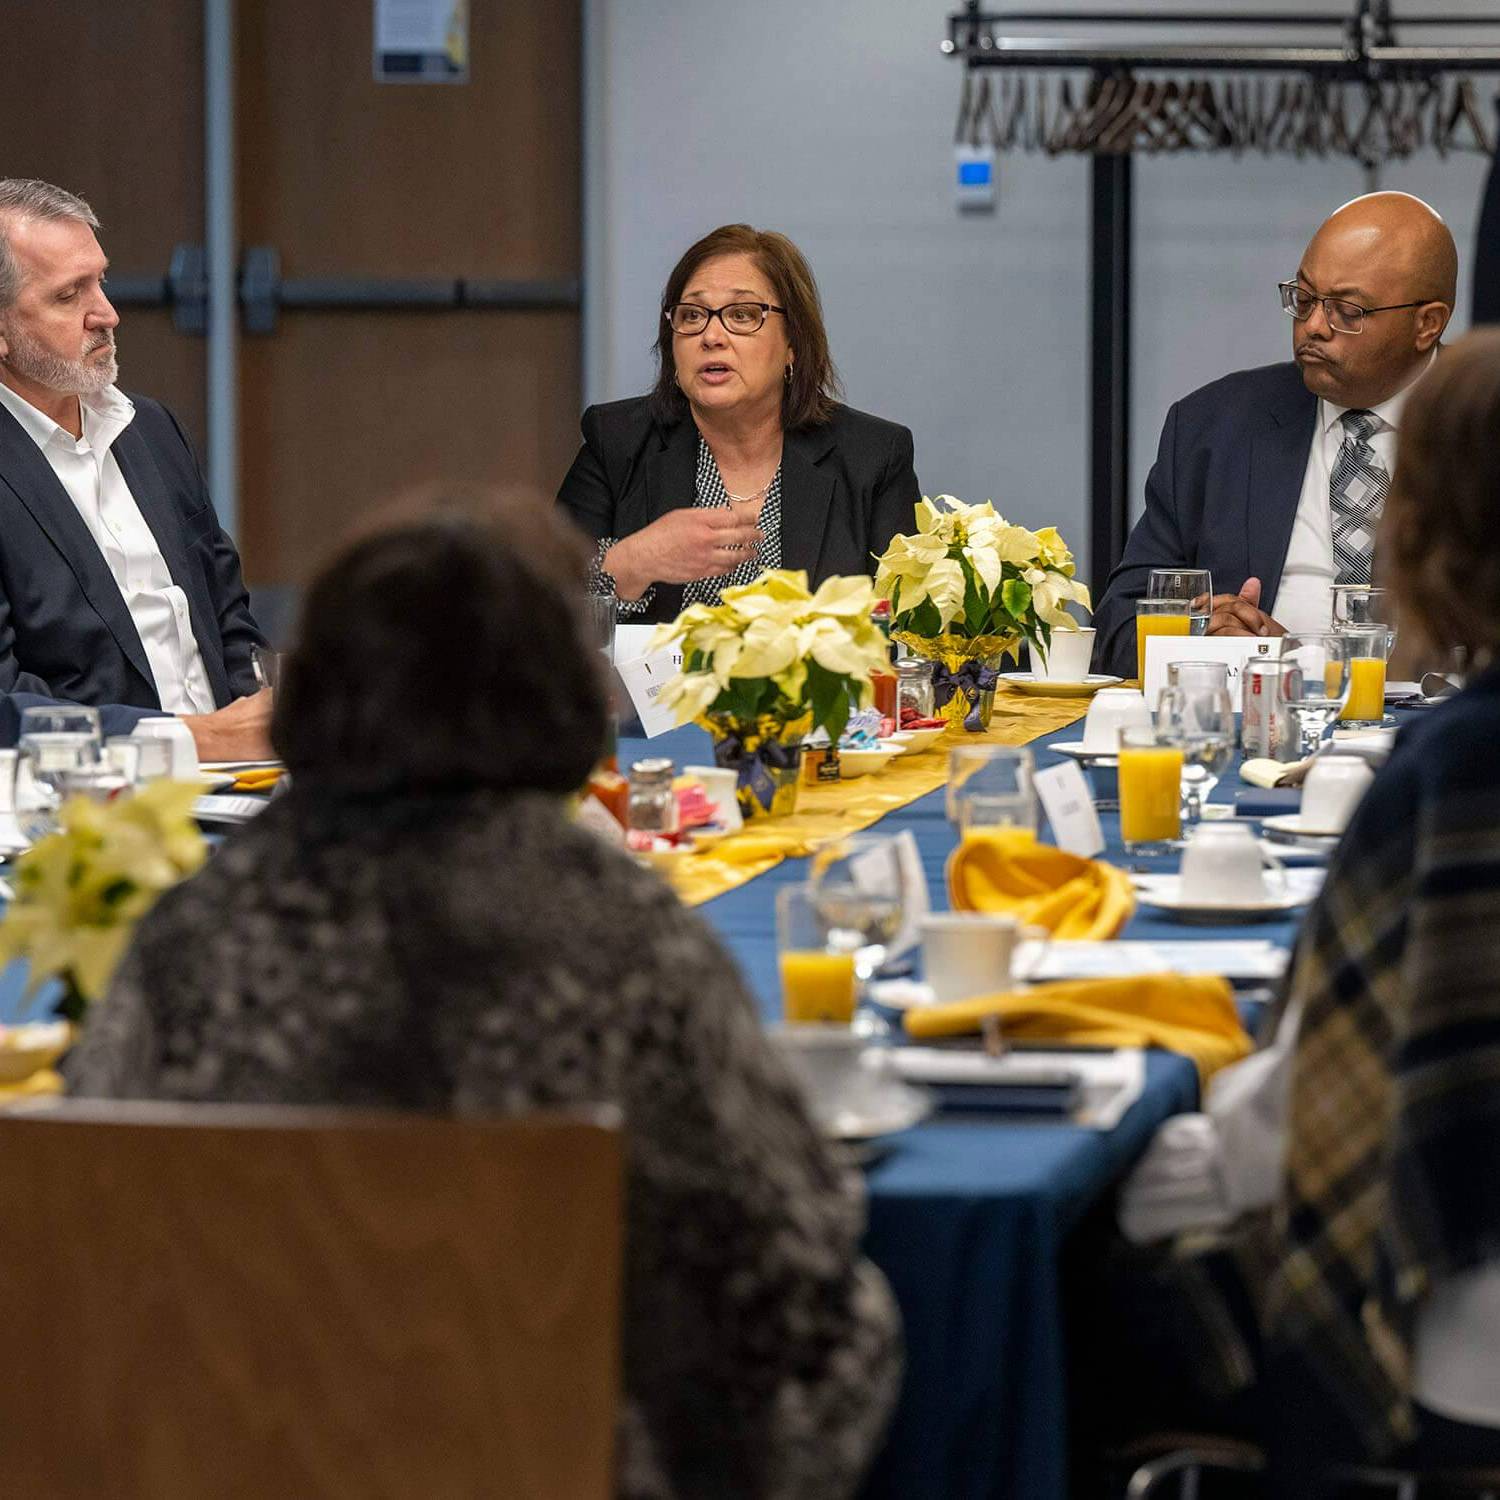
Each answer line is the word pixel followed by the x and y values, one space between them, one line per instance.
pixel 1274 478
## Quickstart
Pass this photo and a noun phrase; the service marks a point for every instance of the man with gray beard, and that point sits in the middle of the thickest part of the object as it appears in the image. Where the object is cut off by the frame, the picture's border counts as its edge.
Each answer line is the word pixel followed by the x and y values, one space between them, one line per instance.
pixel 118 588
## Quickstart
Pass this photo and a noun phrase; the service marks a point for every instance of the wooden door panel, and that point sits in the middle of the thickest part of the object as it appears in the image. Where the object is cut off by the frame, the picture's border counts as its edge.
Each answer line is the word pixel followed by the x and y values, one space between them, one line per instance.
pixel 347 177
pixel 157 361
pixel 343 411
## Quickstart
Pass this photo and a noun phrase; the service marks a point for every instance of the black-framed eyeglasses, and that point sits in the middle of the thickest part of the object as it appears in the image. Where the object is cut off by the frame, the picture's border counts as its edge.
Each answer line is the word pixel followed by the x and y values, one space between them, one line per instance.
pixel 737 317
pixel 1343 316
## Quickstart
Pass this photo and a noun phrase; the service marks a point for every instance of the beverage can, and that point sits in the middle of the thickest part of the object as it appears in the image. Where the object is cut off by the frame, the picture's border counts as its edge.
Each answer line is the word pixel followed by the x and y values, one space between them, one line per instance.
pixel 1266 729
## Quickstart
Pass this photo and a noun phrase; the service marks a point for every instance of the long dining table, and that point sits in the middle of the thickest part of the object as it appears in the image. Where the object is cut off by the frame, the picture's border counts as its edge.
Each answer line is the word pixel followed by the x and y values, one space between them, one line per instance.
pixel 969 1215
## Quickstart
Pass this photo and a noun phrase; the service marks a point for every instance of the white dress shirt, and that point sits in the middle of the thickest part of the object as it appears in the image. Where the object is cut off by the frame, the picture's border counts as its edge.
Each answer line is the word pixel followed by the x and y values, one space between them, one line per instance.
pixel 1202 1171
pixel 1302 600
pixel 87 469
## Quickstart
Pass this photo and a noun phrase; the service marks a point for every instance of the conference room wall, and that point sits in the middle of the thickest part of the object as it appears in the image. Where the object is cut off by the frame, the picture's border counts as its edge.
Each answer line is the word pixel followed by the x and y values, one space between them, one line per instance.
pixel 833 121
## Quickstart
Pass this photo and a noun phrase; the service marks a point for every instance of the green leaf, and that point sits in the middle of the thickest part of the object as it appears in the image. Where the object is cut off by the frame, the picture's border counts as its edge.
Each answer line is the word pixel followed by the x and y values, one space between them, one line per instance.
pixel 925 619
pixel 829 695
pixel 976 602
pixel 1015 593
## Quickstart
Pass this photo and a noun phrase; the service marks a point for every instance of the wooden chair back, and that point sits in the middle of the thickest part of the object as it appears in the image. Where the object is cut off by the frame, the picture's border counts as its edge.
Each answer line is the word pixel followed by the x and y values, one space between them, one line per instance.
pixel 261 1304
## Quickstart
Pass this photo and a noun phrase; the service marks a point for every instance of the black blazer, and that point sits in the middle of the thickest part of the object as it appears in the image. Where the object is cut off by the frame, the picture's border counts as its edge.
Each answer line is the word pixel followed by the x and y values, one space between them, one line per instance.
pixel 1222 494
pixel 846 488
pixel 65 630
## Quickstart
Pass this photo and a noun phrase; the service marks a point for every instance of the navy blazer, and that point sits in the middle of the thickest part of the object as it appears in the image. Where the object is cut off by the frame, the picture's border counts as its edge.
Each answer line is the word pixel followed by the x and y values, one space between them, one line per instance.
pixel 1222 495
pixel 847 487
pixel 65 629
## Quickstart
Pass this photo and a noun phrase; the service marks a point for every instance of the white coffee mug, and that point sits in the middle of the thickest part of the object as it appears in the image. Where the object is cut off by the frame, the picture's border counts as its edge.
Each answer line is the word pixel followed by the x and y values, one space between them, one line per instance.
pixel 1224 865
pixel 968 953
pixel 828 1063
pixel 1110 711
pixel 1332 790
pixel 1066 658
pixel 720 783
pixel 180 737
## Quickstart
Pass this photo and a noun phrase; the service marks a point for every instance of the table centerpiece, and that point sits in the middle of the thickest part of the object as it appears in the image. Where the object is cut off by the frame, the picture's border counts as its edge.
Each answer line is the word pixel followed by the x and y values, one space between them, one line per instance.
pixel 766 667
pixel 966 589
pixel 80 891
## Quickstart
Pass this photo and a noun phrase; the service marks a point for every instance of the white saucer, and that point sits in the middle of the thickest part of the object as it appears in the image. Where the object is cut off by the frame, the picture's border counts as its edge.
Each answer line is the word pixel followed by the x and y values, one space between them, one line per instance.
pixel 1046 687
pixel 1074 750
pixel 1164 893
pixel 892 1107
pixel 1291 825
pixel 1395 690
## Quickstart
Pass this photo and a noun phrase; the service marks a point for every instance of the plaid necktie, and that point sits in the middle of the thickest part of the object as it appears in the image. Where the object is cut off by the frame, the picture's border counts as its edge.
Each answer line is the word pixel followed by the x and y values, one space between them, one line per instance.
pixel 1356 494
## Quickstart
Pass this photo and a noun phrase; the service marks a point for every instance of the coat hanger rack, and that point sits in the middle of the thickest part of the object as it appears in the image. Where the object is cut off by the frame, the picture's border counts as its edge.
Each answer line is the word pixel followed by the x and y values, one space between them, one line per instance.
pixel 1329 84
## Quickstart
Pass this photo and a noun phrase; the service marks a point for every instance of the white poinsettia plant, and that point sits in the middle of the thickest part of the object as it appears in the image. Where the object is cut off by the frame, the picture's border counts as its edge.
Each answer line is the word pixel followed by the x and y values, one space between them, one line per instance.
pixel 968 572
pixel 776 653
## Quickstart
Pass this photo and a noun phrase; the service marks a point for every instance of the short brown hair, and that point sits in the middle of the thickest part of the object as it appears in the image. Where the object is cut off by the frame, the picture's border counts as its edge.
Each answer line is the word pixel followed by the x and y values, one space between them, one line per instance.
pixel 1440 534
pixel 445 648
pixel 813 390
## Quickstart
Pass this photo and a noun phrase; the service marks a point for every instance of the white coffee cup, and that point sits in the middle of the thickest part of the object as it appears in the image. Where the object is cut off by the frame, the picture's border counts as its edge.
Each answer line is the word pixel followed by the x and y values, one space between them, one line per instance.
pixel 1224 865
pixel 1110 711
pixel 720 782
pixel 967 953
pixel 184 747
pixel 828 1063
pixel 1333 789
pixel 1067 658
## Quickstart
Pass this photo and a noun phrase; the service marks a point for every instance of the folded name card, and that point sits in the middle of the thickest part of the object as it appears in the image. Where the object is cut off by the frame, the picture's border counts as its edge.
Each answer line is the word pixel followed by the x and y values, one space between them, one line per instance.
pixel 1233 650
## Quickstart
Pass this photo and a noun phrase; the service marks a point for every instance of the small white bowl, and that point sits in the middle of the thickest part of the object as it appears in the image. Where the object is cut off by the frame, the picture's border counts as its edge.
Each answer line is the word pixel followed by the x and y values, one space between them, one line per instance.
pixel 917 740
pixel 854 763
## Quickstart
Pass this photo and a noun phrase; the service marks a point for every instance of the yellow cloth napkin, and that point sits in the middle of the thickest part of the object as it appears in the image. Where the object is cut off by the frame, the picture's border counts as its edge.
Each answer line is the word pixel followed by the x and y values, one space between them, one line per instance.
pixel 1190 1014
pixel 38 1086
pixel 1007 870
pixel 261 779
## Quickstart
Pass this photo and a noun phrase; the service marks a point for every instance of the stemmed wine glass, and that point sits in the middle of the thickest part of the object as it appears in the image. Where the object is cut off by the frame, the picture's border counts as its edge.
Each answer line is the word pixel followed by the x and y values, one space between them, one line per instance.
pixel 1196 714
pixel 1316 688
pixel 859 888
pixel 55 745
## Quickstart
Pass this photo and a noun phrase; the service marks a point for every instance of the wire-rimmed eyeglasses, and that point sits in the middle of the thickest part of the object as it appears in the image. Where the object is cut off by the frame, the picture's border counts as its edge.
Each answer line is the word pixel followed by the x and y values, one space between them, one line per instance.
pixel 737 317
pixel 1343 316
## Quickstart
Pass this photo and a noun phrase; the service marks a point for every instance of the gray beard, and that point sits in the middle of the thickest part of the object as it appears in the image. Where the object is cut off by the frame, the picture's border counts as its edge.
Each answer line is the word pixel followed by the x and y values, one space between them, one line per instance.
pixel 71 377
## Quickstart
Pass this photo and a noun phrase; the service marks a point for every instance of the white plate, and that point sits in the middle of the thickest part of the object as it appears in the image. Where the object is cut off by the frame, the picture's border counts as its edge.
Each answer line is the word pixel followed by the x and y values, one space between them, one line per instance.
pixel 1164 892
pixel 1402 690
pixel 1046 687
pixel 894 1106
pixel 1292 826
pixel 234 767
pixel 1074 750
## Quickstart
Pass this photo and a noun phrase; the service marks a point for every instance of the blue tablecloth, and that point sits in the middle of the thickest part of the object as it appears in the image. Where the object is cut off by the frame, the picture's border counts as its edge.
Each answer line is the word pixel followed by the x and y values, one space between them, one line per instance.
pixel 968 1215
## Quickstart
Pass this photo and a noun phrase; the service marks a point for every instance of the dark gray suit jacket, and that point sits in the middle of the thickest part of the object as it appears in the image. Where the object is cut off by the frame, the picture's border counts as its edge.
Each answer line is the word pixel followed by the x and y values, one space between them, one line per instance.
pixel 846 488
pixel 65 630
pixel 1222 494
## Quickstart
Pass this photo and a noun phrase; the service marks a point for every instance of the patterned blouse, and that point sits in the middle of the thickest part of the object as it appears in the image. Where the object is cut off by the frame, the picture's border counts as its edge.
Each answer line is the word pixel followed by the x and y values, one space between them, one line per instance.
pixel 710 491
pixel 477 952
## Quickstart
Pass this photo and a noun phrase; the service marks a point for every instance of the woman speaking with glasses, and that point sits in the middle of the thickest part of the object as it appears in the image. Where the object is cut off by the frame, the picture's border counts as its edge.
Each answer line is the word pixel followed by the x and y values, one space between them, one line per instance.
pixel 741 458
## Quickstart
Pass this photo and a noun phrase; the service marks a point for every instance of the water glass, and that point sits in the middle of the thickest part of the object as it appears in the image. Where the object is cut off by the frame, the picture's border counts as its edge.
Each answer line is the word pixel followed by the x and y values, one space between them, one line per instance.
pixel 43 768
pixel 1368 648
pixel 152 759
pixel 266 665
pixel 858 886
pixel 1197 716
pixel 601 613
pixel 991 786
pixel 1195 585
pixel 818 982
pixel 1316 689
pixel 1359 604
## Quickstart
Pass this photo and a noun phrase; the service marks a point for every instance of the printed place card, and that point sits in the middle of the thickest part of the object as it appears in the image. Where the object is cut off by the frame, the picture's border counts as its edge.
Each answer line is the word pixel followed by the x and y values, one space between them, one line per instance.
pixel 1233 650
pixel 643 679
pixel 1070 809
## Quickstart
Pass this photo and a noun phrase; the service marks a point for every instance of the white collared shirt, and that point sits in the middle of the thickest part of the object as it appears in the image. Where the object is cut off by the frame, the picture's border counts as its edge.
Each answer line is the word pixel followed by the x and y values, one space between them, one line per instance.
pixel 1302 601
pixel 87 469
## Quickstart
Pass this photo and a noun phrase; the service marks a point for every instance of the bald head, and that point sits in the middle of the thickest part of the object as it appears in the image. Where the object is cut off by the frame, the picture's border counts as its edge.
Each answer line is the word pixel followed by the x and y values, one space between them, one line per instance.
pixel 1393 256
pixel 1403 233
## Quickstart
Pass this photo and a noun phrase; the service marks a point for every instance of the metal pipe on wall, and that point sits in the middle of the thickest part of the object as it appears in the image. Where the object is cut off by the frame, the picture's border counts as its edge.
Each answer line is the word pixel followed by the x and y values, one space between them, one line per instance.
pixel 222 255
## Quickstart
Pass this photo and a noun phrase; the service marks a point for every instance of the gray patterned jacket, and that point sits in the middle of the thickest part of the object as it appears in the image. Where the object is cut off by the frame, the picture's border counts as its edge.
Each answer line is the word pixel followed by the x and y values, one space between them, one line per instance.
pixel 479 953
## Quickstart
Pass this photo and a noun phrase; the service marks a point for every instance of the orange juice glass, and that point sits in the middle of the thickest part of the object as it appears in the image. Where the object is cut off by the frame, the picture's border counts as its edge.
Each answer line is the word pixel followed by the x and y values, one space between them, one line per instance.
pixel 1150 791
pixel 817 985
pixel 818 982
pixel 1158 617
pixel 1366 703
